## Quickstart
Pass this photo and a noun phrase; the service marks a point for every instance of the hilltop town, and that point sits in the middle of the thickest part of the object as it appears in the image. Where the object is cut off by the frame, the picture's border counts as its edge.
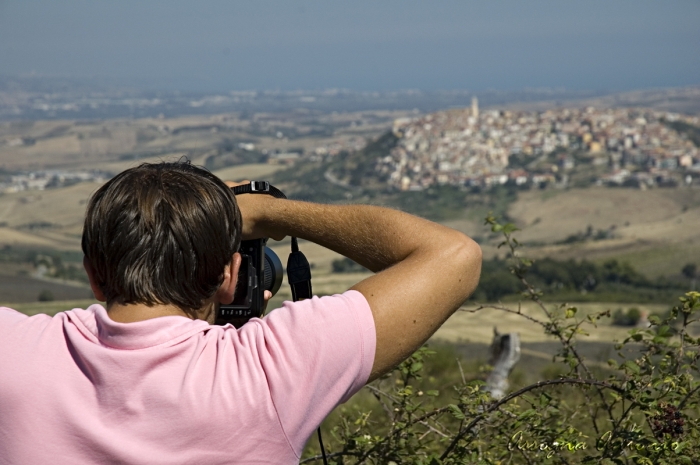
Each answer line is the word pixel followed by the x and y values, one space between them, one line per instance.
pixel 633 147
pixel 563 147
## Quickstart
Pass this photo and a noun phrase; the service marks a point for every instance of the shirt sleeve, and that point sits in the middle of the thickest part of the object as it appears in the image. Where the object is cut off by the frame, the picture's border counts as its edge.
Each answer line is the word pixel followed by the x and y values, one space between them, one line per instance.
pixel 316 354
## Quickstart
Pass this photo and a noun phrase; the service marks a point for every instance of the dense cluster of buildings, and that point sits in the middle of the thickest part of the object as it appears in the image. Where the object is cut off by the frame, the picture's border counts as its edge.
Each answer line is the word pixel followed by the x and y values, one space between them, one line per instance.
pixel 466 147
pixel 40 180
pixel 346 144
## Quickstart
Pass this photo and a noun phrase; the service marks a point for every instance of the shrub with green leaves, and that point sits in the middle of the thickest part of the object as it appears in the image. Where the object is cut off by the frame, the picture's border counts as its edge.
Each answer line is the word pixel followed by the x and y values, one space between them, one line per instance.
pixel 640 409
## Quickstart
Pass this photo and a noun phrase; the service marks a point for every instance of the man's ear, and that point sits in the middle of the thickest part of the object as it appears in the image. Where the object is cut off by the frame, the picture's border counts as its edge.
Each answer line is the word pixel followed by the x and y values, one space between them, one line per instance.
pixel 99 295
pixel 228 286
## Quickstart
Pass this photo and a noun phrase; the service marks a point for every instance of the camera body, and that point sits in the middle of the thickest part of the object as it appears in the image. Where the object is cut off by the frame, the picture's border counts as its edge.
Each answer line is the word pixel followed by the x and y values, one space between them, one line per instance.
pixel 260 271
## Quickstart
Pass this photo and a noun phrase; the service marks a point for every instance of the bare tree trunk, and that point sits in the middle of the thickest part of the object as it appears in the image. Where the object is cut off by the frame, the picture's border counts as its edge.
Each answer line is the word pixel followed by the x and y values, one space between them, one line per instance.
pixel 505 353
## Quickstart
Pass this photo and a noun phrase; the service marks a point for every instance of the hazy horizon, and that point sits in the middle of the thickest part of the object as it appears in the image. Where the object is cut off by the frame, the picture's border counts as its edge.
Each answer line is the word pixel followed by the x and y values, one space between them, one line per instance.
pixel 366 46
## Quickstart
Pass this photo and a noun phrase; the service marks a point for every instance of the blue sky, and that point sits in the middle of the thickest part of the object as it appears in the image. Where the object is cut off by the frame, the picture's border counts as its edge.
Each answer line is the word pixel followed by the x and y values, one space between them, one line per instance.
pixel 215 45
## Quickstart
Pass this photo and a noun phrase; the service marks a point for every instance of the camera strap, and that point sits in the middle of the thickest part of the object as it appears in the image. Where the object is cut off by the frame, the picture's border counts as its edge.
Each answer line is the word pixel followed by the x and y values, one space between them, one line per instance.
pixel 259 187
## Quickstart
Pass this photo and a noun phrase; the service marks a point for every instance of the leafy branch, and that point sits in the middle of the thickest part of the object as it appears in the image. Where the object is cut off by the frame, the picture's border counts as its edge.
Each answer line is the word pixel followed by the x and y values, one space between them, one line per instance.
pixel 643 407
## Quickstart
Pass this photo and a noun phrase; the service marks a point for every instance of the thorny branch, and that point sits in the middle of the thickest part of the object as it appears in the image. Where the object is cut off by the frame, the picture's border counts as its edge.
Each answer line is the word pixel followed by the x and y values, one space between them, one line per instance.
pixel 468 429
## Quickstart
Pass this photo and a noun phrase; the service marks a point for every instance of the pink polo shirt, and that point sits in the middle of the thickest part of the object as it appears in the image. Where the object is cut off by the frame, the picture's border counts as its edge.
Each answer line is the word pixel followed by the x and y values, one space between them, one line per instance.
pixel 79 388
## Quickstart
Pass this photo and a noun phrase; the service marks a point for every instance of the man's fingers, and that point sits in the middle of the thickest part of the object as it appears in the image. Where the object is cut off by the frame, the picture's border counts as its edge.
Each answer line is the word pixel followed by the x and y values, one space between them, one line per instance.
pixel 267 295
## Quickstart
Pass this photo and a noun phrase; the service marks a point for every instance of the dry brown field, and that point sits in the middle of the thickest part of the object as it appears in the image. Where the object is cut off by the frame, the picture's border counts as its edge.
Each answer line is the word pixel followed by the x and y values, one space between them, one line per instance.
pixel 465 326
pixel 679 100
pixel 655 230
pixel 109 144
pixel 62 210
pixel 472 324
pixel 50 218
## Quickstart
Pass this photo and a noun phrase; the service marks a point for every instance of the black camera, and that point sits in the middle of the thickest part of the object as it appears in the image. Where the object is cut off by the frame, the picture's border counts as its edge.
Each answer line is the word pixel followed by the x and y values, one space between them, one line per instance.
pixel 261 270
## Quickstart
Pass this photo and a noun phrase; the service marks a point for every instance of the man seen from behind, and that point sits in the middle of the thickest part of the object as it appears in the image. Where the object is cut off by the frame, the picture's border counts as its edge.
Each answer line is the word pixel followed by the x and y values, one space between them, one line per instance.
pixel 148 379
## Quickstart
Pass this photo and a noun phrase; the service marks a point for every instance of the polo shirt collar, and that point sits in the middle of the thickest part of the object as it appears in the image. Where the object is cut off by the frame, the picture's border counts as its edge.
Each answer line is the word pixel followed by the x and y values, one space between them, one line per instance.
pixel 166 330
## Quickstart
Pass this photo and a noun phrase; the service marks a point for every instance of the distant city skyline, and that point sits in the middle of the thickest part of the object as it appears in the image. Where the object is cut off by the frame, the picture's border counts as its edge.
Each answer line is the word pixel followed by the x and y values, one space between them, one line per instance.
pixel 218 45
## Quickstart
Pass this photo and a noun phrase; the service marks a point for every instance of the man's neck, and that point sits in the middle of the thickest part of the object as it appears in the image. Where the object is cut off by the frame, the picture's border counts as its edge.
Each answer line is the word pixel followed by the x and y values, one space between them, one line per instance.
pixel 131 313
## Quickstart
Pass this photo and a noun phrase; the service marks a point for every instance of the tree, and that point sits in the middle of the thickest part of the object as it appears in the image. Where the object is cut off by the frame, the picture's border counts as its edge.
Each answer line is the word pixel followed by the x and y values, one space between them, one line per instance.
pixel 690 270
pixel 45 296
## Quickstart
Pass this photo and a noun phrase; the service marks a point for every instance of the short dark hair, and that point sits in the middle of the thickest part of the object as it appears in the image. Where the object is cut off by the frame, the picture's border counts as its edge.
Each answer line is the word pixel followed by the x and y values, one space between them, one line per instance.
pixel 161 234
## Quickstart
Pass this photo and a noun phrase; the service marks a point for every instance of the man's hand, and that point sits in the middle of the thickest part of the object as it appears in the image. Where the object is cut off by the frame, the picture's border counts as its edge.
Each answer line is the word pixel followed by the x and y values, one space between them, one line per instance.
pixel 253 207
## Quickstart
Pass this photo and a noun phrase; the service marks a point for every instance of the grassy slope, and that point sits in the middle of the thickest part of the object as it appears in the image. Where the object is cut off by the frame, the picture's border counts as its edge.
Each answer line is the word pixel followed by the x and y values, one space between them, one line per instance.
pixel 655 230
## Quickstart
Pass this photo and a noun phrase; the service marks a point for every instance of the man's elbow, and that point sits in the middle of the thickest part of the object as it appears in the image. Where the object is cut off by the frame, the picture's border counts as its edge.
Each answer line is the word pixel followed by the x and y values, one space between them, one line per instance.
pixel 468 259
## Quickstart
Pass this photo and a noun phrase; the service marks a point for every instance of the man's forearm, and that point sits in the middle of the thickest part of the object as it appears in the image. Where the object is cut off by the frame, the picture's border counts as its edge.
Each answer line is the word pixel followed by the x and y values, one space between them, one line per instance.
pixel 374 237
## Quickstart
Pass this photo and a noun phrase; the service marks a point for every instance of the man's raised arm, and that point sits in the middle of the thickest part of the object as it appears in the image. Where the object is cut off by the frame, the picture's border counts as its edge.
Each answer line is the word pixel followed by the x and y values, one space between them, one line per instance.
pixel 424 271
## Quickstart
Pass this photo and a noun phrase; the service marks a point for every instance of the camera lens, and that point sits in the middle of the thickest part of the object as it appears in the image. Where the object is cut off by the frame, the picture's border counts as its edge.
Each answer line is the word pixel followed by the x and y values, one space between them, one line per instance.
pixel 273 272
